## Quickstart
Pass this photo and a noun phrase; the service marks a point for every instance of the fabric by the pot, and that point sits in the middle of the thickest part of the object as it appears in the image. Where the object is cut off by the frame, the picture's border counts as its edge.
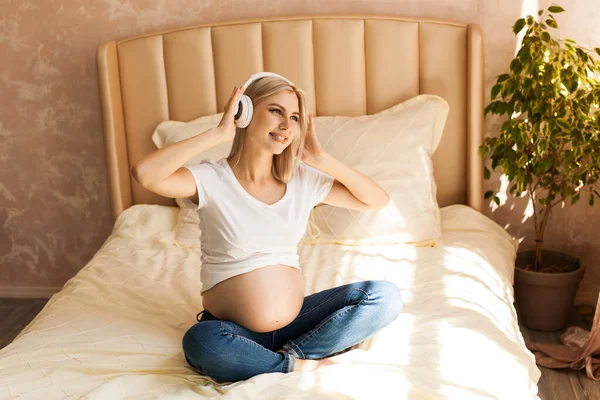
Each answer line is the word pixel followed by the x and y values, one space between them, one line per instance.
pixel 571 352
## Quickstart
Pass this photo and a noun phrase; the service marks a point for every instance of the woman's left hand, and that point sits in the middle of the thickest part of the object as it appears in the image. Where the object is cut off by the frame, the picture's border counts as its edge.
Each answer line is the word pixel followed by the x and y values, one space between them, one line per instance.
pixel 312 152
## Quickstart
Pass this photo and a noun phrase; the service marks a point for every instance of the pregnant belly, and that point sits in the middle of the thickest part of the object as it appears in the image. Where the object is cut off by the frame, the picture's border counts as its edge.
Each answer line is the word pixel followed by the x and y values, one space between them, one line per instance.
pixel 262 300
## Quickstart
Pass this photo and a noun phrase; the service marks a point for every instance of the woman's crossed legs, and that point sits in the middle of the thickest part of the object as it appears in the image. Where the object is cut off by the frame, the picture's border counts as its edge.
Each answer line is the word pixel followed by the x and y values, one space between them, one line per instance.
pixel 329 322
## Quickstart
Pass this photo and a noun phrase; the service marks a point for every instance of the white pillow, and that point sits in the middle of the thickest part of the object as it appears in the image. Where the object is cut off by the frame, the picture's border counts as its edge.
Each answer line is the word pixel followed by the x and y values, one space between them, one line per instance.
pixel 393 148
pixel 187 231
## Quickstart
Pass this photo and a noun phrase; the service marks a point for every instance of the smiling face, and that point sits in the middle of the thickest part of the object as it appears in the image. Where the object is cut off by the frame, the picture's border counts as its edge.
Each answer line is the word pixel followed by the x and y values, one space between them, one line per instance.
pixel 275 122
pixel 279 110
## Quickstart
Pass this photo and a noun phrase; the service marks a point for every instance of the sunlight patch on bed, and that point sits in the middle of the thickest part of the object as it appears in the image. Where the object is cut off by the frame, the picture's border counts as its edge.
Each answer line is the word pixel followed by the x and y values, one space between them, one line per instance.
pixel 353 379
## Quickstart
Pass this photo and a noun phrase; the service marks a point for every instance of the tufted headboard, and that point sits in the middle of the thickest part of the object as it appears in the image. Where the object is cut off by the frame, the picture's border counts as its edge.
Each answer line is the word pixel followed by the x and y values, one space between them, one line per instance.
pixel 348 65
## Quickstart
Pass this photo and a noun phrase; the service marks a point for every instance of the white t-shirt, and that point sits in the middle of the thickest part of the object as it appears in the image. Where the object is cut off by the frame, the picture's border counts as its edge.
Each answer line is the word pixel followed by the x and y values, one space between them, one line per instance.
pixel 240 233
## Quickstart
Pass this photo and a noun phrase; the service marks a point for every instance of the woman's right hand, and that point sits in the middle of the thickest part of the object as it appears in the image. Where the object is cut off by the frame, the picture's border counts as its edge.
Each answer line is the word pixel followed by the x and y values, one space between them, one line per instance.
pixel 226 127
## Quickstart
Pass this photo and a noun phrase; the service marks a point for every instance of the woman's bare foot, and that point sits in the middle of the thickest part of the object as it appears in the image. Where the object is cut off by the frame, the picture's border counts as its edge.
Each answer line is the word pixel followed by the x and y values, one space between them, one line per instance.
pixel 306 365
pixel 311 365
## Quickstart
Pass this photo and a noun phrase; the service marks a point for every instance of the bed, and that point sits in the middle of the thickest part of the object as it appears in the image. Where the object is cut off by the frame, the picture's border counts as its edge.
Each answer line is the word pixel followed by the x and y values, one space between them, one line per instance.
pixel 114 330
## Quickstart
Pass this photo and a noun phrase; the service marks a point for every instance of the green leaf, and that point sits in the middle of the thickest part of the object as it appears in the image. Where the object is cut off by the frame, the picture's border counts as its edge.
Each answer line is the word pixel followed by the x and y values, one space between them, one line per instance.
pixel 545 36
pixel 515 66
pixel 501 107
pixel 503 77
pixel 556 9
pixel 487 109
pixel 530 20
pixel 483 150
pixel 518 26
pixel 597 50
pixel 591 199
pixel 552 23
pixel 497 200
pixel 495 90
pixel 511 85
pixel 543 129
pixel 540 12
pixel 544 165
pixel 488 194
pixel 524 55
pixel 575 198
pixel 486 173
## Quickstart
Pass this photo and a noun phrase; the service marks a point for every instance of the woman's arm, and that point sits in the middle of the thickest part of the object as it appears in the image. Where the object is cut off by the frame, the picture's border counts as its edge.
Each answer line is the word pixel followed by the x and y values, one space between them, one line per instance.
pixel 351 189
pixel 162 163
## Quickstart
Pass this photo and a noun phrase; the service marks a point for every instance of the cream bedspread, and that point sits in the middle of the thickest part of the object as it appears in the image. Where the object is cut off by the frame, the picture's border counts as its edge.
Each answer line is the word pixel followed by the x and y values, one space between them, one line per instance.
pixel 115 329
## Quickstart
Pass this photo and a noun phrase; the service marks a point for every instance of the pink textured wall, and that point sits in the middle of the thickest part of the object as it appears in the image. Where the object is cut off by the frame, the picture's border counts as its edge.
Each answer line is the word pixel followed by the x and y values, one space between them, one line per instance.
pixel 54 204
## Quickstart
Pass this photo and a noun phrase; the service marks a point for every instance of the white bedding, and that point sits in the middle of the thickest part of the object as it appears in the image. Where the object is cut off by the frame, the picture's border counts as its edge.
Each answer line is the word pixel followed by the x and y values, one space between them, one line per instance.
pixel 115 329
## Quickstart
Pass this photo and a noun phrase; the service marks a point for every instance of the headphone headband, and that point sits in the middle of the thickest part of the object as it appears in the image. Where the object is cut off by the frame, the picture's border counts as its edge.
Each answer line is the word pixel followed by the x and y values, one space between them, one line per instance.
pixel 259 75
pixel 244 109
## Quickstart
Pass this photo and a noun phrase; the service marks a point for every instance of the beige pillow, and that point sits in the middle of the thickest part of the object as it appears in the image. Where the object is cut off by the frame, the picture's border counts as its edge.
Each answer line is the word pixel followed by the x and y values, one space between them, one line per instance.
pixel 392 147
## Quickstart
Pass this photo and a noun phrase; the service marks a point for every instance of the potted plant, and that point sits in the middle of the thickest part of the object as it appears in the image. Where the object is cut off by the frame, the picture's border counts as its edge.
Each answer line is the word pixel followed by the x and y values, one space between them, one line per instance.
pixel 549 148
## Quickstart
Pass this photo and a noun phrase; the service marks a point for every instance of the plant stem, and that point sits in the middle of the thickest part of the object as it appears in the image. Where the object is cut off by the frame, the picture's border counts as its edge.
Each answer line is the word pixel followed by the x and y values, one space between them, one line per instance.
pixel 539 239
pixel 531 196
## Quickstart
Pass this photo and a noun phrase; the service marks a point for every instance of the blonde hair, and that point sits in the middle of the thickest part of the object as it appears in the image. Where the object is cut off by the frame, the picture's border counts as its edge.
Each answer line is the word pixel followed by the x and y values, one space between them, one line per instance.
pixel 284 164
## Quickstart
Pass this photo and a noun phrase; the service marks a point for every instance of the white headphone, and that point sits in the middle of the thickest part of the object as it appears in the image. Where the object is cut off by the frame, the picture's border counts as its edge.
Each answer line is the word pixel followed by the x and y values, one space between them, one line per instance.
pixel 244 109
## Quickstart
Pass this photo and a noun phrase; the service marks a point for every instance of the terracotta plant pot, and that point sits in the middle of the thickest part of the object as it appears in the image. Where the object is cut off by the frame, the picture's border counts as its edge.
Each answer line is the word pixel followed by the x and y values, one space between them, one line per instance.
pixel 544 300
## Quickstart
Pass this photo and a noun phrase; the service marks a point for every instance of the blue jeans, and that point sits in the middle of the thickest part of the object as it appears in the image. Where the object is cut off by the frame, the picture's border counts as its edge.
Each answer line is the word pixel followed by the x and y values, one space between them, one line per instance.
pixel 329 323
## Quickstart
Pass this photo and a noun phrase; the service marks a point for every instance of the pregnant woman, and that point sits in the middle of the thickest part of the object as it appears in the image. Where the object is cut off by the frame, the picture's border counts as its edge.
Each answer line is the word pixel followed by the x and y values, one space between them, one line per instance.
pixel 254 207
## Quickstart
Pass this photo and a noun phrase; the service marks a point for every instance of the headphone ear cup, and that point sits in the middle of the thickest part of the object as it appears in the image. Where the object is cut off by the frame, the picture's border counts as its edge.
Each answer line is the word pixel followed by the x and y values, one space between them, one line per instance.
pixel 245 111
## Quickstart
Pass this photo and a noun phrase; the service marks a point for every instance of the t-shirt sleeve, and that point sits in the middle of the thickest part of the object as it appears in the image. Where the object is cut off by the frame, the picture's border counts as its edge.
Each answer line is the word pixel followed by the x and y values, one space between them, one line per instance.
pixel 317 182
pixel 203 174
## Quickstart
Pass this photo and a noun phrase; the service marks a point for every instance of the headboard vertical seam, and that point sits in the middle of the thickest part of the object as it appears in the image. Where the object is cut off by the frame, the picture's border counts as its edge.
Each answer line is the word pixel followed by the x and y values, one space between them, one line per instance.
pixel 419 56
pixel 365 65
pixel 162 43
pixel 262 47
pixel 475 131
pixel 129 180
pixel 212 51
pixel 466 116
pixel 312 44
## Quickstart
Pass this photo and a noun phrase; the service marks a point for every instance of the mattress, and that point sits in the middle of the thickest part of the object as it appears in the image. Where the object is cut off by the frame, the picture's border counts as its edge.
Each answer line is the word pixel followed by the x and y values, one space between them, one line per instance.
pixel 114 331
